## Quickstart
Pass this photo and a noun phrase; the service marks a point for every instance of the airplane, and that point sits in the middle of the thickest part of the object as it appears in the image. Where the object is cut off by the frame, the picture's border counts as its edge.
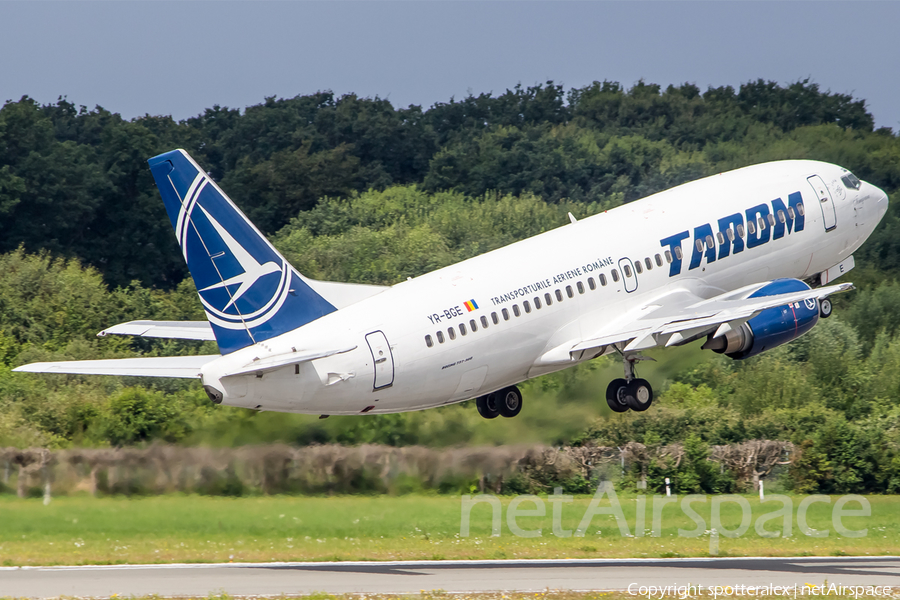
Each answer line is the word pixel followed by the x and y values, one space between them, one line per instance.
pixel 744 260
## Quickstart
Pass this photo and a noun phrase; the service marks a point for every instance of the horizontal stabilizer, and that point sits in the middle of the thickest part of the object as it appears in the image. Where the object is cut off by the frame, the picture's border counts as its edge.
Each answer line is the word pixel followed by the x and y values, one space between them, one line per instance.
pixel 176 330
pixel 183 367
pixel 262 365
pixel 344 294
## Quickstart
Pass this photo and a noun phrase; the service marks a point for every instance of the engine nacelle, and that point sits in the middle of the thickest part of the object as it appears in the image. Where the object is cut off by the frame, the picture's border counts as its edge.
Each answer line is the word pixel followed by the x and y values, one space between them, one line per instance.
pixel 770 328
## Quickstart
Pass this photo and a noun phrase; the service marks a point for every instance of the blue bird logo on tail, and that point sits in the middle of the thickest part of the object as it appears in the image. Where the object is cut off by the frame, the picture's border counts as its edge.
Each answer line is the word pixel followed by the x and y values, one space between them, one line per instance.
pixel 249 291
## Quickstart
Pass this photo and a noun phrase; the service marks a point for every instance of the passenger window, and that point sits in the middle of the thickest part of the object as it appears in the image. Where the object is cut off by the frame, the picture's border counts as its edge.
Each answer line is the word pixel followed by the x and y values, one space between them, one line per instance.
pixel 451 333
pixel 721 237
pixel 801 209
pixel 668 256
pixel 781 218
pixel 526 306
pixel 537 303
pixel 494 318
pixel 638 267
pixel 699 244
pixel 710 242
pixel 602 279
pixel 659 260
pixel 462 329
pixel 678 253
pixel 548 298
pixel 615 275
pixel 751 228
pixel 580 287
pixel 473 325
pixel 762 223
pixel 516 310
pixel 649 263
pixel 730 234
pixel 484 322
pixel 627 270
pixel 591 283
pixel 771 219
pixel 440 337
pixel 505 314
pixel 740 231
pixel 791 212
pixel 558 296
pixel 428 341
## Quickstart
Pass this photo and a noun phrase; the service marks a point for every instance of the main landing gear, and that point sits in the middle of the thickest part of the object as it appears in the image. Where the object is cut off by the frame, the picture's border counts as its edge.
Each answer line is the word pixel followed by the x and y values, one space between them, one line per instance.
pixel 630 392
pixel 506 402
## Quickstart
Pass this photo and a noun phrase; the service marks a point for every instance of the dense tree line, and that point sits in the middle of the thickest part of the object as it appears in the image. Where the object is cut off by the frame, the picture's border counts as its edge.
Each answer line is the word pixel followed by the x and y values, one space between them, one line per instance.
pixel 75 181
pixel 353 189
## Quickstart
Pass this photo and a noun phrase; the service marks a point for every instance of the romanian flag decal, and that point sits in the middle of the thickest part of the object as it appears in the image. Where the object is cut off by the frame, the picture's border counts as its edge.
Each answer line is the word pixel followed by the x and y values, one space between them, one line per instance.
pixel 470 305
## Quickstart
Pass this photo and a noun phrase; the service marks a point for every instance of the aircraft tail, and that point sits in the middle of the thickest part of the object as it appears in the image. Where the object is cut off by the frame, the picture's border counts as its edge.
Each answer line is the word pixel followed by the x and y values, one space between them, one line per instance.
pixel 249 291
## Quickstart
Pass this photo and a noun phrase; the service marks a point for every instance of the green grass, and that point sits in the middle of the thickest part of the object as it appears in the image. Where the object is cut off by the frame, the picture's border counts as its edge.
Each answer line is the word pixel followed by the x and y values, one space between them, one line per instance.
pixel 83 530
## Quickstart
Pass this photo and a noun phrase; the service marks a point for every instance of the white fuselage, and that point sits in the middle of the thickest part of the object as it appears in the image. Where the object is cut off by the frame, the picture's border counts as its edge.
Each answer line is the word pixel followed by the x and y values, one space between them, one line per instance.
pixel 393 368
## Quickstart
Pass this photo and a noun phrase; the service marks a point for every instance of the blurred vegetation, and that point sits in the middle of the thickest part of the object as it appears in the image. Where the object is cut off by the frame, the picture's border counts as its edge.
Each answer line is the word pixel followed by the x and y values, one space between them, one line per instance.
pixel 354 189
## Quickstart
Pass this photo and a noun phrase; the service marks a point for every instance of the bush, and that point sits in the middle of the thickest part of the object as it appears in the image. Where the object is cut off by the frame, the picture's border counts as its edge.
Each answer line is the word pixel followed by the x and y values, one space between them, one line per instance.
pixel 137 415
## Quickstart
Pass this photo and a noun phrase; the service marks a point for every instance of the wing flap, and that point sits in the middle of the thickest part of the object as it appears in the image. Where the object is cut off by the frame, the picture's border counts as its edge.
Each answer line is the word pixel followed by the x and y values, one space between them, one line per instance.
pixel 177 330
pixel 697 318
pixel 182 367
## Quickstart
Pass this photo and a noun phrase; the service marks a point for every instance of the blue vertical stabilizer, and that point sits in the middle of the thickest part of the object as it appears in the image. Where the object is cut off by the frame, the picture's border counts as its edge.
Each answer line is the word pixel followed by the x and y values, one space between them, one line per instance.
pixel 249 291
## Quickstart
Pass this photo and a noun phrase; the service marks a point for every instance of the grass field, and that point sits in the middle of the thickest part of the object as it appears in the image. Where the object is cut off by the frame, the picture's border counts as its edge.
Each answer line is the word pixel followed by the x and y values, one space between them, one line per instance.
pixel 84 530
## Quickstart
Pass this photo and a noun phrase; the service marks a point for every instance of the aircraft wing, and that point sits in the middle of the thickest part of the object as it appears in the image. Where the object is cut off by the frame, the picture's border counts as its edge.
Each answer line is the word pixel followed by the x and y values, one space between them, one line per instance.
pixel 179 330
pixel 685 317
pixel 184 367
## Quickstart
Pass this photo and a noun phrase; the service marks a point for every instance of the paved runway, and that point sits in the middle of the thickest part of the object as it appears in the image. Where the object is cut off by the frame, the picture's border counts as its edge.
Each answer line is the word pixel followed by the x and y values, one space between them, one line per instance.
pixel 452 576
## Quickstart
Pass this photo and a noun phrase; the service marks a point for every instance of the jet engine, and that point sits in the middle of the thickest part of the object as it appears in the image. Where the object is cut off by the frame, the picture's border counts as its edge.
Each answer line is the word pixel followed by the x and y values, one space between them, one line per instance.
pixel 770 328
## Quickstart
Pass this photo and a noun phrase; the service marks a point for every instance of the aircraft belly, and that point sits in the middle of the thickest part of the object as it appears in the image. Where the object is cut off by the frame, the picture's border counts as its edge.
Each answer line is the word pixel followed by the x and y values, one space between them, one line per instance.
pixel 470 383
pixel 463 371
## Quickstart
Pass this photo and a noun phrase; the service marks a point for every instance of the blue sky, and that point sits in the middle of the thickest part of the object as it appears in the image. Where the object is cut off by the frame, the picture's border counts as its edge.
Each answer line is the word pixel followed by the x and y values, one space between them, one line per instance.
pixel 178 58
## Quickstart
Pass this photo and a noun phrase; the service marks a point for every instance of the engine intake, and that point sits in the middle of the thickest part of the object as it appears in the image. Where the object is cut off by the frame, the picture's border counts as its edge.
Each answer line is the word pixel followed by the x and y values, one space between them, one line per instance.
pixel 770 328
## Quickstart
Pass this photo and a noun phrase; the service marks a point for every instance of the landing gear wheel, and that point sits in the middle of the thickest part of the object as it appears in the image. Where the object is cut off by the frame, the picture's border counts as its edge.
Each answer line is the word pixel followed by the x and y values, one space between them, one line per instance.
pixel 615 396
pixel 510 401
pixel 825 308
pixel 488 406
pixel 639 395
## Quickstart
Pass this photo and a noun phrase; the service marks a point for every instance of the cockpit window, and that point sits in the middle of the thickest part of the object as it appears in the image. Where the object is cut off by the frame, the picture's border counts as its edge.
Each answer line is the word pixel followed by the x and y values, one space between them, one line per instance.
pixel 851 181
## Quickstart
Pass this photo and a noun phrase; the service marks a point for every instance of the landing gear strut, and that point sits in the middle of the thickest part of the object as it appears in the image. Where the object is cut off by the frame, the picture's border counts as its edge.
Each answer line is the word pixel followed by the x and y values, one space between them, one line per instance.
pixel 506 402
pixel 630 392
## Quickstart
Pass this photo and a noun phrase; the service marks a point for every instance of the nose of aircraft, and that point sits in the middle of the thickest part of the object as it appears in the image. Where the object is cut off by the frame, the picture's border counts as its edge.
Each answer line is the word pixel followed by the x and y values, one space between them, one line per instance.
pixel 881 205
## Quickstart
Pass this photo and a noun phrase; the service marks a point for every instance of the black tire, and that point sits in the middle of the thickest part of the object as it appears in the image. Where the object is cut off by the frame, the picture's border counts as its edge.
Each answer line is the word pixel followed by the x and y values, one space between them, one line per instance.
pixel 825 308
pixel 615 395
pixel 487 406
pixel 639 395
pixel 509 401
